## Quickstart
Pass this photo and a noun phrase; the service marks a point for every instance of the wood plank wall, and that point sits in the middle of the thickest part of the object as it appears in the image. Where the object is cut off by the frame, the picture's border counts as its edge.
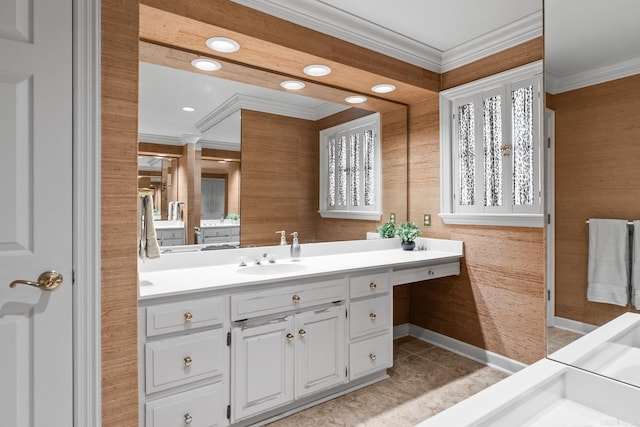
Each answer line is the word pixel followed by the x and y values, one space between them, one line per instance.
pixel 498 301
pixel 119 284
pixel 279 186
pixel 597 147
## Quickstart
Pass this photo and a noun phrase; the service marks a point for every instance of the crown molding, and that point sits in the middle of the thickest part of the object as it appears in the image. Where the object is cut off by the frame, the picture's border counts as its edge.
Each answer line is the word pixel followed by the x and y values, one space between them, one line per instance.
pixel 513 34
pixel 245 102
pixel 351 28
pixel 220 145
pixel 159 139
pixel 626 68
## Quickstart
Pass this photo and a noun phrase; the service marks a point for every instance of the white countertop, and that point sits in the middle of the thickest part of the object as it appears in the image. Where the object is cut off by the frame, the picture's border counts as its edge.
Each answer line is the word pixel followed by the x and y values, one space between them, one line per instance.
pixel 182 273
pixel 165 225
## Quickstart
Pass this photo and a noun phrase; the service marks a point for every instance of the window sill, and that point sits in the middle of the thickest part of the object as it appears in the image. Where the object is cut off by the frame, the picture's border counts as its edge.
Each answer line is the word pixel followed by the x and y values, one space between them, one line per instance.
pixel 501 220
pixel 370 216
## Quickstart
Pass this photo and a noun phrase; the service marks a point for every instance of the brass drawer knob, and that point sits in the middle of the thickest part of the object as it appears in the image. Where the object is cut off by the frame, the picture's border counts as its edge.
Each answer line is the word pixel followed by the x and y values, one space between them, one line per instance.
pixel 372 316
pixel 188 317
pixel 188 418
pixel 372 357
pixel 289 337
pixel 187 361
pixel 373 286
pixel 302 332
pixel 295 299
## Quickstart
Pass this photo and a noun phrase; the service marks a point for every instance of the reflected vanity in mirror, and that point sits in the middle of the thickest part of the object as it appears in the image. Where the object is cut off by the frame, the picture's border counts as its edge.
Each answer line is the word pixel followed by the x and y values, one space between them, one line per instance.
pixel 592 72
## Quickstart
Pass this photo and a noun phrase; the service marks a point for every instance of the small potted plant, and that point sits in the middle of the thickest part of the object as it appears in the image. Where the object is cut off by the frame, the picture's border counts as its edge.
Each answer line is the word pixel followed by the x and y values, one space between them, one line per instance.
pixel 387 230
pixel 408 232
pixel 233 217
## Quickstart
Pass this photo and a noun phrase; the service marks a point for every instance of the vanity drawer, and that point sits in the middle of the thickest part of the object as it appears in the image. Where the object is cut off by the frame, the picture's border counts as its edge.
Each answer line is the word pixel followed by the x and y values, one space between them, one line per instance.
pixel 171 242
pixel 270 301
pixel 181 360
pixel 184 315
pixel 203 407
pixel 412 275
pixel 370 355
pixel 216 232
pixel 369 284
pixel 370 315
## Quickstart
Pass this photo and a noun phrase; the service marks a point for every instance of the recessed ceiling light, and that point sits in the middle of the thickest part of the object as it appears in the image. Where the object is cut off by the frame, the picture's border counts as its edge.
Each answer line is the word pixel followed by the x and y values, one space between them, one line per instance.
pixel 292 84
pixel 206 64
pixel 223 44
pixel 383 88
pixel 188 109
pixel 356 99
pixel 317 70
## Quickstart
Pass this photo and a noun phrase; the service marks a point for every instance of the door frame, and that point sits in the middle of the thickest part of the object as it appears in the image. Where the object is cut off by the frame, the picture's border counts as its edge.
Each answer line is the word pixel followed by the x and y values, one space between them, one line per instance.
pixel 549 141
pixel 86 213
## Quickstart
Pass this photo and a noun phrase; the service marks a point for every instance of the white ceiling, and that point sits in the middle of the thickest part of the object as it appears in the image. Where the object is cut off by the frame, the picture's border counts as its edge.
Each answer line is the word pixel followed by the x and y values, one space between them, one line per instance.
pixel 590 41
pixel 586 42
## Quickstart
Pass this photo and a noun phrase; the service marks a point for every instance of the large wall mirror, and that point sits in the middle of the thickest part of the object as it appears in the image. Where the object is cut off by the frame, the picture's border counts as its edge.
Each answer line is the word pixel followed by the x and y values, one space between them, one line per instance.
pixel 592 72
pixel 231 159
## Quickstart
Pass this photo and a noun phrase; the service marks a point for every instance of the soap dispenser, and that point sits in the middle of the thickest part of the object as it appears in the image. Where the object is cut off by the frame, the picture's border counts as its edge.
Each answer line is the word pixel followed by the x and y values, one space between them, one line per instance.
pixel 283 237
pixel 295 247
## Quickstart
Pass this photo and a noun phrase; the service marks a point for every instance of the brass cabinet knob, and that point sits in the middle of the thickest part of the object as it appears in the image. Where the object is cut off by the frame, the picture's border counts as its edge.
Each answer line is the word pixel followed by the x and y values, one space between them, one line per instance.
pixel 431 273
pixel 187 361
pixel 372 286
pixel 302 332
pixel 188 418
pixel 289 337
pixel 188 317
pixel 372 357
pixel 372 316
pixel 296 298
pixel 47 281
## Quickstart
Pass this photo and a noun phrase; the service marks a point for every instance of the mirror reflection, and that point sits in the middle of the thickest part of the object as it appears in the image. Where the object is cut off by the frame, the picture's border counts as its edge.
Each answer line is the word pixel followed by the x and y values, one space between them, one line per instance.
pixel 207 144
pixel 592 65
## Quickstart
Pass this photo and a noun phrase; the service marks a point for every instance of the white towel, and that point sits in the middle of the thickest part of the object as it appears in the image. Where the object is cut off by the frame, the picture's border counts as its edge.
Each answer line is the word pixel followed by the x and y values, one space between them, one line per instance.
pixel 148 247
pixel 635 276
pixel 608 269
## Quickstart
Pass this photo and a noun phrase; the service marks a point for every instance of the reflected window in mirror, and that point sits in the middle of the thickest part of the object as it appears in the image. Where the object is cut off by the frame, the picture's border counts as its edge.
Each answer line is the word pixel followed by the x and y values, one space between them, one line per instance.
pixel 350 170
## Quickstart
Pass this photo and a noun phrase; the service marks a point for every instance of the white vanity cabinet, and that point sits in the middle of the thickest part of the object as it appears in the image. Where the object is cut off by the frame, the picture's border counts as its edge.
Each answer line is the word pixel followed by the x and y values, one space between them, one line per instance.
pixel 185 357
pixel 370 323
pixel 220 233
pixel 289 344
pixel 170 236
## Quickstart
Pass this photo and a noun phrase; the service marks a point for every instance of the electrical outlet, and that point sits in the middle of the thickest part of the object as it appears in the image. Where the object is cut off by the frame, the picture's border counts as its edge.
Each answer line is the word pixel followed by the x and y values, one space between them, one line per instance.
pixel 392 218
pixel 427 220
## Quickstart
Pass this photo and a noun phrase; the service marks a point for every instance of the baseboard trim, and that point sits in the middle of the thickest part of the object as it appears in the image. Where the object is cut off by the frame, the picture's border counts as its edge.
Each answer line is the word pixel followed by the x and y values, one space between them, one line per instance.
pixel 573 325
pixel 480 355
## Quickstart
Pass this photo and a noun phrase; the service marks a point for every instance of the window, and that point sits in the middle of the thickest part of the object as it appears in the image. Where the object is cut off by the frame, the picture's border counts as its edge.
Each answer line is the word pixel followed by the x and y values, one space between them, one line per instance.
pixel 491 151
pixel 350 170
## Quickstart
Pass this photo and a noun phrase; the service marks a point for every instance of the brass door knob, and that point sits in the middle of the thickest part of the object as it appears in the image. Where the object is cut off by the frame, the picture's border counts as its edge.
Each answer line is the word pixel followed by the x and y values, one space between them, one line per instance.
pixel 188 317
pixel 295 299
pixel 372 356
pixel 372 286
pixel 290 337
pixel 187 361
pixel 47 281
pixel 372 316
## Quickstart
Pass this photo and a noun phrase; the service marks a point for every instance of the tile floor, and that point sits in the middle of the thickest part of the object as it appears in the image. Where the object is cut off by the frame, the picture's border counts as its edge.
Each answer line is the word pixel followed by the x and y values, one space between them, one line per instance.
pixel 558 338
pixel 425 380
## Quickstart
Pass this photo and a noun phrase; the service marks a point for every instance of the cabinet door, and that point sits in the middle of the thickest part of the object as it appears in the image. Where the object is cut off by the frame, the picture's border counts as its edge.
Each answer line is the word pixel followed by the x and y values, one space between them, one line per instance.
pixel 262 358
pixel 320 350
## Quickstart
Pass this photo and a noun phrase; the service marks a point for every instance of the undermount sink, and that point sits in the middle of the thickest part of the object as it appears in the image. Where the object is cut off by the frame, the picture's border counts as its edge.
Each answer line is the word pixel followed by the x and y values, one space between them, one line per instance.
pixel 271 269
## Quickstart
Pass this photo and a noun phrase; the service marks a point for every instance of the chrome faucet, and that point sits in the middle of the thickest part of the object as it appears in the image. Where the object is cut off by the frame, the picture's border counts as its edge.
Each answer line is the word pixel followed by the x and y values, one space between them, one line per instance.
pixel 261 259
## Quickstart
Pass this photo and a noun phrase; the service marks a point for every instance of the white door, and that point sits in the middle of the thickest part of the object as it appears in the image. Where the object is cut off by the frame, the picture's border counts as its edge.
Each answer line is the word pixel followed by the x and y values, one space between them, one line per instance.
pixel 320 353
pixel 36 208
pixel 262 367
